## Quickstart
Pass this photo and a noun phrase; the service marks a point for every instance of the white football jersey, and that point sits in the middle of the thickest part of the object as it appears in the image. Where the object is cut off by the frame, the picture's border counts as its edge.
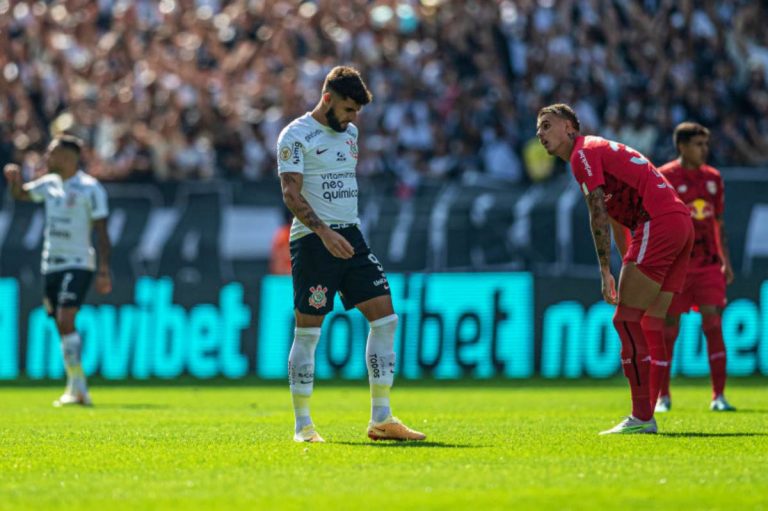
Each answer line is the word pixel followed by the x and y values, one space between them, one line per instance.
pixel 328 161
pixel 71 206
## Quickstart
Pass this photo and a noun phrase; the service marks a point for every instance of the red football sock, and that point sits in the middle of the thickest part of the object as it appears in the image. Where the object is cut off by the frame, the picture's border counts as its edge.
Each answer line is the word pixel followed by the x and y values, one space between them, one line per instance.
pixel 670 336
pixel 635 361
pixel 653 330
pixel 713 329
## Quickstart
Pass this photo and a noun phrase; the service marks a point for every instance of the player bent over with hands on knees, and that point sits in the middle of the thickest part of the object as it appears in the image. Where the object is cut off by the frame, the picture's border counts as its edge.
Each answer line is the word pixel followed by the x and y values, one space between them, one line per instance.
pixel 625 191
pixel 317 159
pixel 75 203
pixel 709 271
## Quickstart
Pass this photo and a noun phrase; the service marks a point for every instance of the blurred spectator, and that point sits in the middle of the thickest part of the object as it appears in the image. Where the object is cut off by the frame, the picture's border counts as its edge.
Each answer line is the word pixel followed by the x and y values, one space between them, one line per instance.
pixel 539 165
pixel 280 256
pixel 198 89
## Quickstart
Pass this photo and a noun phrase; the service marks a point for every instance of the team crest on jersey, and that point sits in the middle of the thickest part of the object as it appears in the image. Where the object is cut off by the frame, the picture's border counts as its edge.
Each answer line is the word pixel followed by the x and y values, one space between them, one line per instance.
pixel 352 148
pixel 712 187
pixel 285 153
pixel 318 299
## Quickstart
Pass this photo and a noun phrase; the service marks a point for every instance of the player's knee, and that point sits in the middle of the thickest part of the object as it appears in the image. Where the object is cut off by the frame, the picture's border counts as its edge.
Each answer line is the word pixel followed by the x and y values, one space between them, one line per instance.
pixel 386 323
pixel 65 321
pixel 710 321
pixel 625 314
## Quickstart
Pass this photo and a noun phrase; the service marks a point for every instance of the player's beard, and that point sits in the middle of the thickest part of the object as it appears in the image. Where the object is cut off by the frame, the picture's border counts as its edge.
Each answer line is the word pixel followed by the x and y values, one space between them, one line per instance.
pixel 333 121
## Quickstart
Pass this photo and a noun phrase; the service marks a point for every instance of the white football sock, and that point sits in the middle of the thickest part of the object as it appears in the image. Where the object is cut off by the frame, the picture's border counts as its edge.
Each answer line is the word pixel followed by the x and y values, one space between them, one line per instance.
pixel 380 359
pixel 301 373
pixel 71 347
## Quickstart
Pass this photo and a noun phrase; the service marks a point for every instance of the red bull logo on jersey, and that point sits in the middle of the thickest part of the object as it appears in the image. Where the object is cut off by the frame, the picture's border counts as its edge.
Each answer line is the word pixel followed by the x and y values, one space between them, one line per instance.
pixel 701 209
pixel 318 299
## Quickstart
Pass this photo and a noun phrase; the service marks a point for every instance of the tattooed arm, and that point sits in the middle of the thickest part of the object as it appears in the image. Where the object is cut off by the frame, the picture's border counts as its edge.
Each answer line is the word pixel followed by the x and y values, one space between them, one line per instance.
pixel 601 233
pixel 291 184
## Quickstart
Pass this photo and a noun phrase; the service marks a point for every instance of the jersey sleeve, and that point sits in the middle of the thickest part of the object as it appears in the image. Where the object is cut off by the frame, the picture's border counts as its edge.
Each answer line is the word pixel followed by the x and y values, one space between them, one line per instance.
pixel 38 189
pixel 99 203
pixel 290 152
pixel 587 168
pixel 719 202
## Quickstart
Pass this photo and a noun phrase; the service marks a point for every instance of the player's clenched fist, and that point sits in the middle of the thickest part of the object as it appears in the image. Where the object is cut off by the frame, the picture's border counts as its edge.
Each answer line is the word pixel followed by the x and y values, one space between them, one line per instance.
pixel 12 173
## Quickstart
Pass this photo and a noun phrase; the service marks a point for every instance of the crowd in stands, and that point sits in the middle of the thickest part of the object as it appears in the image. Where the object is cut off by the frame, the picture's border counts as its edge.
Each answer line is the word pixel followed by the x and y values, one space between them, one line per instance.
pixel 199 89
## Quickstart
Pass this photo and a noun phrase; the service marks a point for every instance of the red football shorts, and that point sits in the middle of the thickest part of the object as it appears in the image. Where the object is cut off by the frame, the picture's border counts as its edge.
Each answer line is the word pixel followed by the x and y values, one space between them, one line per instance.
pixel 703 286
pixel 661 248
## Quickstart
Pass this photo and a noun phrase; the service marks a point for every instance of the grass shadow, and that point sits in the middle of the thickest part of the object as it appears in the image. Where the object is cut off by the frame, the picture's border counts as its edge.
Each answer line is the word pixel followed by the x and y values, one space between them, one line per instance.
pixel 131 406
pixel 699 434
pixel 407 444
pixel 750 410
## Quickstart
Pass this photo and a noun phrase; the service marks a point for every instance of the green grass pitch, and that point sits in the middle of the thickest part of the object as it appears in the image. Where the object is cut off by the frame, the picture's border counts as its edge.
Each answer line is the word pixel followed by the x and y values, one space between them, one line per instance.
pixel 500 445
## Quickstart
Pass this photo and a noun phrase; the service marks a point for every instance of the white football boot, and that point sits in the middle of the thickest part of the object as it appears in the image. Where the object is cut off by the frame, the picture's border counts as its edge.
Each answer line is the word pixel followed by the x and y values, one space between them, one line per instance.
pixel 719 404
pixel 308 434
pixel 631 425
pixel 663 404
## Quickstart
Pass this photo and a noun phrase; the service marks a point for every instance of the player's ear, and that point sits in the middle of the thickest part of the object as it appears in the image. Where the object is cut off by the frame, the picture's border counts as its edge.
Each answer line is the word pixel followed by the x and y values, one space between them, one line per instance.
pixel 326 98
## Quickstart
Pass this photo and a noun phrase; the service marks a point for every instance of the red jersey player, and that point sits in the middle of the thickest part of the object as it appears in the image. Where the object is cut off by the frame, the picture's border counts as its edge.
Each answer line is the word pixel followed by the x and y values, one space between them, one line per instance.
pixel 623 188
pixel 709 270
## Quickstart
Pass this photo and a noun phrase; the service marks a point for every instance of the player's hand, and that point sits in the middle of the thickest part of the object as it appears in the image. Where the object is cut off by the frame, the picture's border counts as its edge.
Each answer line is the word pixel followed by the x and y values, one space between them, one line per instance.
pixel 12 173
pixel 336 244
pixel 609 288
pixel 728 272
pixel 103 283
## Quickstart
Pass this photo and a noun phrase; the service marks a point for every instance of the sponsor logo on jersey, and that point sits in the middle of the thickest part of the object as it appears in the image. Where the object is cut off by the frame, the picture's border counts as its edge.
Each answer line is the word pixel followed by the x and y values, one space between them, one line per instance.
pixel 297 147
pixel 312 135
pixel 701 209
pixel 712 187
pixel 583 158
pixel 682 188
pixel 318 299
pixel 320 151
pixel 341 156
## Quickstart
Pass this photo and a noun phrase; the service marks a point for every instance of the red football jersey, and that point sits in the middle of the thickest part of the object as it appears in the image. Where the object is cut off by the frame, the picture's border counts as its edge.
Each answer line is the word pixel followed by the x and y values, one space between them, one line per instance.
pixel 635 191
pixel 702 190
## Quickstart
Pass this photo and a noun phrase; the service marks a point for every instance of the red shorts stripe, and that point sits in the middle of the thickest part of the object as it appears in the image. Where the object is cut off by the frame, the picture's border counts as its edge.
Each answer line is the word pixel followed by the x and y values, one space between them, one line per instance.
pixel 644 242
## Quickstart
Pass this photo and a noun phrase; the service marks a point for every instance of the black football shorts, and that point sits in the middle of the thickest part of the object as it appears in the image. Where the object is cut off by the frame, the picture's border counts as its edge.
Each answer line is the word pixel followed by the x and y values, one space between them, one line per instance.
pixel 65 288
pixel 318 275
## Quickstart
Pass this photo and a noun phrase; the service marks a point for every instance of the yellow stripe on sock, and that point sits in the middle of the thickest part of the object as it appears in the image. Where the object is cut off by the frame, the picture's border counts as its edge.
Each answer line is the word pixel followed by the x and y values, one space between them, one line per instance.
pixel 301 402
pixel 378 391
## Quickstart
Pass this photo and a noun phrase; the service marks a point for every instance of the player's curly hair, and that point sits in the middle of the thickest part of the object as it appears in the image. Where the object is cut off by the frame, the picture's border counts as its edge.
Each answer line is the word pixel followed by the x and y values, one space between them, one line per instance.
pixel 563 111
pixel 347 83
pixel 685 131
